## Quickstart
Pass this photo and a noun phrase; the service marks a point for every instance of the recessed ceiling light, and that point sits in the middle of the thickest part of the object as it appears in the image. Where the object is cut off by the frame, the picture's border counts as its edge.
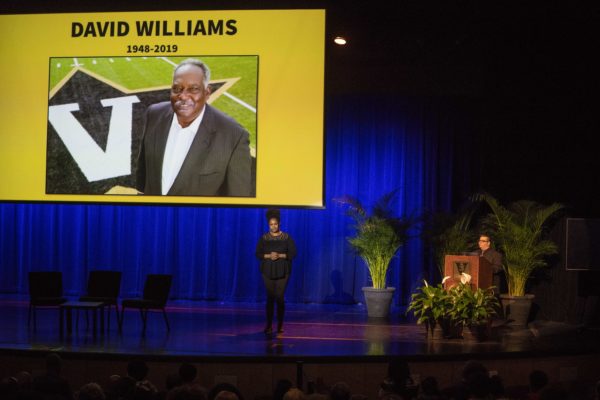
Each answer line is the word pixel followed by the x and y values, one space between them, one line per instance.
pixel 339 40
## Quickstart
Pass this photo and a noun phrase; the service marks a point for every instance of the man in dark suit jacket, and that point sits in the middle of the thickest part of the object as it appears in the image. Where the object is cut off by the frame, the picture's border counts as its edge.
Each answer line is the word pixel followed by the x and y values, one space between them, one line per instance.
pixel 190 148
pixel 495 260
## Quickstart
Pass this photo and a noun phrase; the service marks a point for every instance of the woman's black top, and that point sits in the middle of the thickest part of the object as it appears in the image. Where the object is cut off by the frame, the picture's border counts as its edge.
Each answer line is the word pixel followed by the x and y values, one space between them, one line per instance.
pixel 282 244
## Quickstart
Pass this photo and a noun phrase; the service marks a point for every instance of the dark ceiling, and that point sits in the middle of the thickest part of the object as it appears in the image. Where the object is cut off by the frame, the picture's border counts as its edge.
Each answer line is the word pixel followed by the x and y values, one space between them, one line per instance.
pixel 466 49
pixel 478 48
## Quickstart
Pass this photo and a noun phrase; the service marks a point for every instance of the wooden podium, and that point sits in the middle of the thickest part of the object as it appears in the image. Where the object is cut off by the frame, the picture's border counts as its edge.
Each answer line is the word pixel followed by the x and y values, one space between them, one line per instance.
pixel 478 267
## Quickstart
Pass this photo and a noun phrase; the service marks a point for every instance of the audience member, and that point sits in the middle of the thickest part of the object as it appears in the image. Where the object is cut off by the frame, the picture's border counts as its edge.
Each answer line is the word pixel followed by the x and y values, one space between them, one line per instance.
pixel 553 392
pixel 91 391
pixel 124 388
pixel 187 392
pixel 472 368
pixel 52 384
pixel 144 390
pixel 9 387
pixel 398 380
pixel 25 380
pixel 30 394
pixel 392 396
pixel 339 391
pixel 224 386
pixel 429 390
pixel 281 388
pixel 226 395
pixel 537 381
pixel 479 386
pixel 137 369
pixel 121 388
pixel 172 381
pixel 497 388
pixel 294 394
pixel 188 373
pixel 461 391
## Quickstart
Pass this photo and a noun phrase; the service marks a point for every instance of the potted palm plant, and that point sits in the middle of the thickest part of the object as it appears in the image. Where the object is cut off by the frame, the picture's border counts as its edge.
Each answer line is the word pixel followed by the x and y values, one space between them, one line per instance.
pixel 520 230
pixel 378 236
pixel 449 233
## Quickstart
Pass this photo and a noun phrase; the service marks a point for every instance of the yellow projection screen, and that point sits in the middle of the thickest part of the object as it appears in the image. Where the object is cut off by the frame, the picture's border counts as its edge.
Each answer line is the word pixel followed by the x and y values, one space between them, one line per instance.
pixel 84 93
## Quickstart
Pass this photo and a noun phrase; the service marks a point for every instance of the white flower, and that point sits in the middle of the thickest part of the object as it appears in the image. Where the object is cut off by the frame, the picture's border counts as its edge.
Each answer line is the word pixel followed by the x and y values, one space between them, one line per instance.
pixel 445 279
pixel 465 278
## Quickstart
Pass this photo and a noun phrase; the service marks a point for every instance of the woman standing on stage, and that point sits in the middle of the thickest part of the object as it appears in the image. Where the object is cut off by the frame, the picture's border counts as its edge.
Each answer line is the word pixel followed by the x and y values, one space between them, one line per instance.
pixel 275 250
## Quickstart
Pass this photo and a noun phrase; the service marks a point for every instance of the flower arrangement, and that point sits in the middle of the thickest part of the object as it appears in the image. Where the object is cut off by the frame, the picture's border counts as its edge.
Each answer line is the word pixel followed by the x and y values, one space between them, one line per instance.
pixel 472 306
pixel 453 307
pixel 430 304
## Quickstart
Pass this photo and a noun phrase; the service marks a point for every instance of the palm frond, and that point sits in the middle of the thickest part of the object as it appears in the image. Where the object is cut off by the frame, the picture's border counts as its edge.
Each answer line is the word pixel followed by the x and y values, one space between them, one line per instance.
pixel 355 209
pixel 519 230
pixel 449 233
pixel 378 236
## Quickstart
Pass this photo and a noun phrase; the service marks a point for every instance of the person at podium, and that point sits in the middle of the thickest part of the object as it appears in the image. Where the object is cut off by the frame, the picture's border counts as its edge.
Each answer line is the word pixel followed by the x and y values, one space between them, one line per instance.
pixel 493 257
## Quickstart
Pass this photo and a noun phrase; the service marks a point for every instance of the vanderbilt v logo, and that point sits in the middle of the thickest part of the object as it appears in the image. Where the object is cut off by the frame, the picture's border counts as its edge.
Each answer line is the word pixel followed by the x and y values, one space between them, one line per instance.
pixel 97 164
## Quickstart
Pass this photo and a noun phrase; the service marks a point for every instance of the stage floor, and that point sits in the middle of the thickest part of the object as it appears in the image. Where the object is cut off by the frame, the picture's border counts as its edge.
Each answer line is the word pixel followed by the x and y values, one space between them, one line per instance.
pixel 222 331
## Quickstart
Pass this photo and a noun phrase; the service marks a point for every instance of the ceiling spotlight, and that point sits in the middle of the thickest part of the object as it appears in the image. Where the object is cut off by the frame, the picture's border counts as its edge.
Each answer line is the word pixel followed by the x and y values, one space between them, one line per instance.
pixel 339 40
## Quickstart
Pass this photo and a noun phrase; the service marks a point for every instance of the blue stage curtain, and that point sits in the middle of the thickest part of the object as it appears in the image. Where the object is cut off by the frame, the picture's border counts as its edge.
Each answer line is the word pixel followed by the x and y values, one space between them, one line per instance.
pixel 421 147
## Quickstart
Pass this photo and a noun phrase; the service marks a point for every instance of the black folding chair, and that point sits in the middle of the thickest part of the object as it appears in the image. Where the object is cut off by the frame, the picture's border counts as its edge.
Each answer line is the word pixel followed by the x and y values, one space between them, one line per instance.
pixel 45 290
pixel 104 286
pixel 156 294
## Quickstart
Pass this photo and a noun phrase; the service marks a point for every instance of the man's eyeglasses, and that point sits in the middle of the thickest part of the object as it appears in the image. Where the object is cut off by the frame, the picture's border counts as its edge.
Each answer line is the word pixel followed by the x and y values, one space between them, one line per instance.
pixel 485 241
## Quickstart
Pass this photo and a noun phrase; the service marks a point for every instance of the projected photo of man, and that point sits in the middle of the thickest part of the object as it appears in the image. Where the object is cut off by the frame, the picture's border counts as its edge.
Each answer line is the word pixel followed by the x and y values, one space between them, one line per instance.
pixel 190 148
